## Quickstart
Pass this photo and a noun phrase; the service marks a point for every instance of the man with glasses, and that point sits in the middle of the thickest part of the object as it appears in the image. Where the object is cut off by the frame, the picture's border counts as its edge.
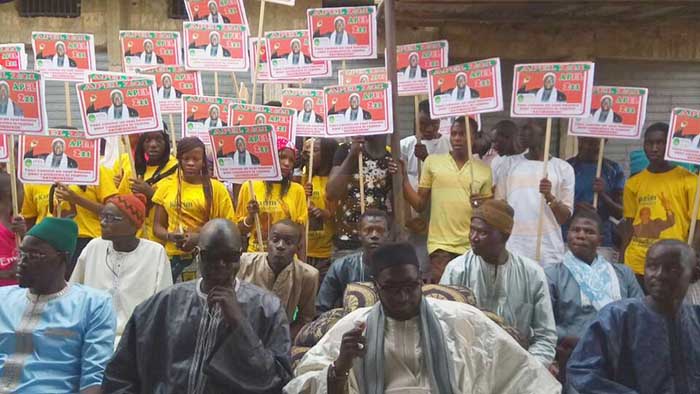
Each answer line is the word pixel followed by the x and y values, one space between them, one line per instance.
pixel 407 343
pixel 55 337
pixel 129 268
pixel 279 271
pixel 213 335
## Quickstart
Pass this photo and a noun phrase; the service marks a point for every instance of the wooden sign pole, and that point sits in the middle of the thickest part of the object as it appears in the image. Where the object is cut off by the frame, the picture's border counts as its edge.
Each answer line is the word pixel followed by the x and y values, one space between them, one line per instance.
pixel 69 115
pixel 309 179
pixel 173 140
pixel 11 168
pixel 470 155
pixel 540 220
pixel 258 227
pixel 216 84
pixel 261 21
pixel 599 169
pixel 235 84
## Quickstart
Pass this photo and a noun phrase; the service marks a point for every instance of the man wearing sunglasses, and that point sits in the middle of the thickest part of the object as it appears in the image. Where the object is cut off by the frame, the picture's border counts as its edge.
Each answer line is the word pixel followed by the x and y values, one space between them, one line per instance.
pixel 213 335
pixel 129 268
pixel 407 343
pixel 55 337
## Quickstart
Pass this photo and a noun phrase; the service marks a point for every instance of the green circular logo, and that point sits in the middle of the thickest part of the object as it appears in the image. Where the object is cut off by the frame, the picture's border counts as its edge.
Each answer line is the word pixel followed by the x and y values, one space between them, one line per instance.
pixel 520 98
pixel 190 126
pixel 221 162
pixel 28 163
pixel 92 117
pixel 437 100
pixel 128 60
pixel 676 141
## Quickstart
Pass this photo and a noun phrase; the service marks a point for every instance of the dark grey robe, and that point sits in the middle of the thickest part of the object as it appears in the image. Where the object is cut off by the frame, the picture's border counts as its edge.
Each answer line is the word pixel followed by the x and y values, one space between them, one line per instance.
pixel 158 346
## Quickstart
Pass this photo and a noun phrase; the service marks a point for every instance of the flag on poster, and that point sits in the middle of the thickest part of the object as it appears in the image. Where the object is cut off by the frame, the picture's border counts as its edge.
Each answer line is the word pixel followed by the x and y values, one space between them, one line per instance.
pixel 217 11
pixel 22 106
pixel 309 104
pixel 13 57
pixel 63 56
pixel 413 62
pixel 149 48
pixel 616 112
pixel 119 107
pixel 61 156
pixel 290 57
pixel 552 90
pixel 683 143
pixel 362 75
pixel 343 33
pixel 282 119
pixel 200 113
pixel 246 152
pixel 468 88
pixel 172 83
pixel 353 110
pixel 213 47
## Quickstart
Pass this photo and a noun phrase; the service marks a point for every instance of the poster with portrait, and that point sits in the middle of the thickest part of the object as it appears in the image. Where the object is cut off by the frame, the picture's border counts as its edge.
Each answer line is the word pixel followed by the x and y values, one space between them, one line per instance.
pixel 358 109
pixel 413 61
pixel 61 156
pixel 446 123
pixel 216 11
pixel 552 90
pixel 469 88
pixel 362 75
pixel 200 113
pixel 245 152
pixel 22 106
pixel 214 47
pixel 309 104
pixel 343 33
pixel 172 82
pixel 282 119
pixel 13 57
pixel 616 112
pixel 63 56
pixel 119 107
pixel 684 137
pixel 263 70
pixel 142 49
pixel 290 57
pixel 4 153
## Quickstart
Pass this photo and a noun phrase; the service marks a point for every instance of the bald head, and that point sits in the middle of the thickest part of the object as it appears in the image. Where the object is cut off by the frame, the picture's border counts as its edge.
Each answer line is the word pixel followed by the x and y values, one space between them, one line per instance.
pixel 219 253
pixel 678 250
pixel 220 233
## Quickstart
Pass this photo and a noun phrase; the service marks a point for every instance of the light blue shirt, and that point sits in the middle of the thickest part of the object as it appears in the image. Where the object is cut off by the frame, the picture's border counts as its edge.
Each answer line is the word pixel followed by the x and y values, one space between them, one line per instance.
pixel 57 343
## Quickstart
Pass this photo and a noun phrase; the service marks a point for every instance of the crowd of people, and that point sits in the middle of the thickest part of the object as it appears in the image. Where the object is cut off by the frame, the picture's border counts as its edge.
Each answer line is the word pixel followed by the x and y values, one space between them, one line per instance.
pixel 163 279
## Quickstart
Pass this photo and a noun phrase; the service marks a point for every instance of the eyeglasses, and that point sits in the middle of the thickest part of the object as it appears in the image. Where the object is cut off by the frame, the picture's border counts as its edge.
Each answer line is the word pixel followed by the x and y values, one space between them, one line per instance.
pixel 109 218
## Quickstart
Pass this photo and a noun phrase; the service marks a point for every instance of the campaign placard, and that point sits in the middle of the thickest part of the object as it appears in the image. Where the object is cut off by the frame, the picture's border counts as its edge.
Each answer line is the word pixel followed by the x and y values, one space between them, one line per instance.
pixel 119 107
pixel 446 123
pixel 4 153
pixel 200 113
pixel 362 75
pixel 61 156
pixel 684 139
pixel 309 104
pixel 63 56
pixel 217 11
pixel 215 47
pixel 282 119
pixel 468 88
pixel 290 56
pixel 13 57
pixel 263 70
pixel 413 62
pixel 616 112
pixel 358 109
pixel 343 33
pixel 172 83
pixel 246 152
pixel 22 106
pixel 552 90
pixel 149 48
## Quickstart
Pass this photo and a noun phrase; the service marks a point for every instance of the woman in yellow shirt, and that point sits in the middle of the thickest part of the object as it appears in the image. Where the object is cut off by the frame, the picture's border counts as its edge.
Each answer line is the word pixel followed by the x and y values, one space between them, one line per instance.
pixel 321 229
pixel 274 200
pixel 153 165
pixel 186 202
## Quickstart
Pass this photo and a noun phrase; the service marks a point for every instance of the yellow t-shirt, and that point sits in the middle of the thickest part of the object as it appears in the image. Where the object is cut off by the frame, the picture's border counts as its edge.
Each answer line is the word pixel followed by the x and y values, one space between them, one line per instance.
pixel 194 207
pixel 272 208
pixel 89 222
pixel 320 231
pixel 124 188
pixel 450 209
pixel 642 201
pixel 36 202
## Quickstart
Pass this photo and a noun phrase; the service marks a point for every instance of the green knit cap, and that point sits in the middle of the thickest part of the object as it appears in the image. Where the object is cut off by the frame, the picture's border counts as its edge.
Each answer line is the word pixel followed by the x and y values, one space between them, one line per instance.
pixel 60 233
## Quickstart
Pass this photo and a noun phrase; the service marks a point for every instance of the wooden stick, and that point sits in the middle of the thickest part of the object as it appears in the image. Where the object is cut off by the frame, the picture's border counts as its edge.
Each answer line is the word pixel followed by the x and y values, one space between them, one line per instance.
pixel 216 84
pixel 309 179
pixel 69 115
pixel 11 167
pixel 173 140
pixel 235 84
pixel 361 173
pixel 599 169
pixel 469 154
pixel 261 21
pixel 258 227
pixel 540 220
pixel 419 135
pixel 127 148
pixel 694 218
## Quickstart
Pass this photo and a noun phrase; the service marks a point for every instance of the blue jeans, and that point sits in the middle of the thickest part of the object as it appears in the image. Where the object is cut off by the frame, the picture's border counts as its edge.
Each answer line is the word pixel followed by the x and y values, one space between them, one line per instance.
pixel 178 264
